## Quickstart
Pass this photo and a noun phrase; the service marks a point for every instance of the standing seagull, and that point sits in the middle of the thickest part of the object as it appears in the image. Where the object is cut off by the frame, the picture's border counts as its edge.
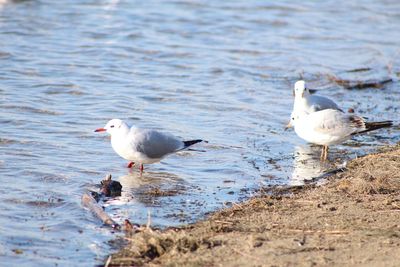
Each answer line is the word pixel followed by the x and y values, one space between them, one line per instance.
pixel 329 127
pixel 141 145
pixel 306 103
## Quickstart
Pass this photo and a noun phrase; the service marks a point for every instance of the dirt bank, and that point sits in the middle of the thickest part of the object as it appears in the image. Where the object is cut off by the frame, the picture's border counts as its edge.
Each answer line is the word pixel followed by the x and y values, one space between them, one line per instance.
pixel 353 220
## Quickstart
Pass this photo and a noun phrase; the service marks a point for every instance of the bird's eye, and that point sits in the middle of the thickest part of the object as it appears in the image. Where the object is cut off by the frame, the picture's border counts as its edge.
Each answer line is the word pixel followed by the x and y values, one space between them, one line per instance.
pixel 292 118
pixel 112 126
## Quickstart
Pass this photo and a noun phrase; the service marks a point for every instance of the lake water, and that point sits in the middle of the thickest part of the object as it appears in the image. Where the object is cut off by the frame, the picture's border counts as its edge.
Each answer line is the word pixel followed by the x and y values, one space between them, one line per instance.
pixel 214 70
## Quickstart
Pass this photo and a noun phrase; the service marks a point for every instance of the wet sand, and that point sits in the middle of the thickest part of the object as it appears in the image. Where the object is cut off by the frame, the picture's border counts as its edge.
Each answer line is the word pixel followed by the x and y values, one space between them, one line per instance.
pixel 352 220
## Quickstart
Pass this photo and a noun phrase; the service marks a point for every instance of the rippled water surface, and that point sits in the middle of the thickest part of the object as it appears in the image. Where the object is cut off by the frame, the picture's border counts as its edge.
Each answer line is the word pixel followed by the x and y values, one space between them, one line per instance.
pixel 214 70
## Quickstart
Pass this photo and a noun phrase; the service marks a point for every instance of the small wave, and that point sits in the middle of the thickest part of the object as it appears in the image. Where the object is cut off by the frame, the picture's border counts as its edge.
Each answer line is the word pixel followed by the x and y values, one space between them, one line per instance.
pixel 31 109
pixel 5 141
pixel 68 92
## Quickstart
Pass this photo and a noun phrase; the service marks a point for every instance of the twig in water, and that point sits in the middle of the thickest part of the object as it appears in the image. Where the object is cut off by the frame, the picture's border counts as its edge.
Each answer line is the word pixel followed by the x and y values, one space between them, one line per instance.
pixel 108 261
pixel 89 202
pixel 148 219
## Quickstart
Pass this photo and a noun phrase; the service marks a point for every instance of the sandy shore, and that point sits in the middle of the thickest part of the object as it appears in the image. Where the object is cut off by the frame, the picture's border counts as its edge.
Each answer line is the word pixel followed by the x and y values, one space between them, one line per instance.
pixel 353 220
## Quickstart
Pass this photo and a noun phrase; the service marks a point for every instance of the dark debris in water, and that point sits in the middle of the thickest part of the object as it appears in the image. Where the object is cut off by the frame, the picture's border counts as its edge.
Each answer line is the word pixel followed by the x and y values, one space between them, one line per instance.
pixel 359 84
pixel 51 202
pixel 110 188
pixel 90 201
pixel 157 192
pixel 360 70
pixel 17 251
pixel 5 141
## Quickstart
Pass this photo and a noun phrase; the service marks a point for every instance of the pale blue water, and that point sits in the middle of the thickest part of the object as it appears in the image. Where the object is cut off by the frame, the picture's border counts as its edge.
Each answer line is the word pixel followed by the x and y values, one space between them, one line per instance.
pixel 214 70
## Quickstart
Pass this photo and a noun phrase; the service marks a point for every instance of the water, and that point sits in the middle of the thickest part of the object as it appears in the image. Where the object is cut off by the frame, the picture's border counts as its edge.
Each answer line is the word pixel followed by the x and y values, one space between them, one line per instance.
pixel 218 71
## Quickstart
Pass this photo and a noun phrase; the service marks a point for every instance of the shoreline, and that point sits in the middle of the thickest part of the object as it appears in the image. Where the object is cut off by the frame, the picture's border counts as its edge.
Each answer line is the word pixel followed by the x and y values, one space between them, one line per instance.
pixel 353 219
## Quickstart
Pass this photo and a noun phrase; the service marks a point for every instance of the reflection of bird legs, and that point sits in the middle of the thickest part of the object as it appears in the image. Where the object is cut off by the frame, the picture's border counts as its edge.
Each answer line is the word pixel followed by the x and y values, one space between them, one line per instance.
pixel 141 168
pixel 324 153
pixel 131 164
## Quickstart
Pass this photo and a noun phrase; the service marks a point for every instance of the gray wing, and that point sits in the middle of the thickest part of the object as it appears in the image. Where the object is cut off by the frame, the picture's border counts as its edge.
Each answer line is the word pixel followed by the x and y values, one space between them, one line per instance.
pixel 335 123
pixel 155 144
pixel 318 103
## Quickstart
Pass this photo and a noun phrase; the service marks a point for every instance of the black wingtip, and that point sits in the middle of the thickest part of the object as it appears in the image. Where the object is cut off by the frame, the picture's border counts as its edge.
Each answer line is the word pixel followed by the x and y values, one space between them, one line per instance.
pixel 312 91
pixel 371 126
pixel 191 142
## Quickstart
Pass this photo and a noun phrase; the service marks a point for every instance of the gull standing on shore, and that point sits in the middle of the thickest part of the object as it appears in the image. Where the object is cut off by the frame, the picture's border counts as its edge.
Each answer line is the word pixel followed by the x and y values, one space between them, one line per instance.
pixel 142 146
pixel 330 126
pixel 305 102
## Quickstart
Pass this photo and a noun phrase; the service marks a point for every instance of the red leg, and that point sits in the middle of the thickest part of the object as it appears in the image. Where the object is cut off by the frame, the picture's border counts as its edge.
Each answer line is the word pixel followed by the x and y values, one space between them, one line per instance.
pixel 141 168
pixel 131 164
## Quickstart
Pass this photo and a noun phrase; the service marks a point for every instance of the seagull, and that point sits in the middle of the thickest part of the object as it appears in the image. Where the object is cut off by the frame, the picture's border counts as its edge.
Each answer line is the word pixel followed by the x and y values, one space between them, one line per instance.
pixel 308 103
pixel 143 146
pixel 305 102
pixel 330 126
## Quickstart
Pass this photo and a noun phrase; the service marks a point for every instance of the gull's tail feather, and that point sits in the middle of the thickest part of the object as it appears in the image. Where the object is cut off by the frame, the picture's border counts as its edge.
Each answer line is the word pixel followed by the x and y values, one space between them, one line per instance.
pixel 370 126
pixel 191 142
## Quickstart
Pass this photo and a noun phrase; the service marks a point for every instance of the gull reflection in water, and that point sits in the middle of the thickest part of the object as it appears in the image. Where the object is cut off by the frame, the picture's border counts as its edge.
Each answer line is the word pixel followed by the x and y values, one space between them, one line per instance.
pixel 147 187
pixel 154 197
pixel 307 164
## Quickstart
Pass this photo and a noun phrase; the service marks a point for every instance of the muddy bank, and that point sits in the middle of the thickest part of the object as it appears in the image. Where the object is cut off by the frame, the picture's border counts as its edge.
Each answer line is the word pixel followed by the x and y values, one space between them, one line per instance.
pixel 354 220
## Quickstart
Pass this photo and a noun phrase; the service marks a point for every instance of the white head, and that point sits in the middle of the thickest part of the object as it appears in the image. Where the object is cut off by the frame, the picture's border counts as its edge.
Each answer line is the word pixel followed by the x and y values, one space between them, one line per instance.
pixel 300 89
pixel 293 117
pixel 114 126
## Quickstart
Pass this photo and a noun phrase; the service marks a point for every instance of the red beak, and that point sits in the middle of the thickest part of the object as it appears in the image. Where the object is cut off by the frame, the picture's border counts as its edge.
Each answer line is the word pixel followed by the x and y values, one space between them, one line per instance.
pixel 100 130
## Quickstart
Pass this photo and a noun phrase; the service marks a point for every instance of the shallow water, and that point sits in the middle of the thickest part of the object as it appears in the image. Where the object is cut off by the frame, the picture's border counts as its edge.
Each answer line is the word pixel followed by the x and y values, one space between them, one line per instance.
pixel 218 71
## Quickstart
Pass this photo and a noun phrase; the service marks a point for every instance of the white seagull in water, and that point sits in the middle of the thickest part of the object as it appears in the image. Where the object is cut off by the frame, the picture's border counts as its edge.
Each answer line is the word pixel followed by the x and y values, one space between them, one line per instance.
pixel 142 146
pixel 305 102
pixel 330 126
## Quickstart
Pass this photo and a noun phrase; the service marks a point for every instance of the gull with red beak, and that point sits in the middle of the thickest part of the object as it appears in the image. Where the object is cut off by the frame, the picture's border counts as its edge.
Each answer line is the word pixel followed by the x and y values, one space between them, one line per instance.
pixel 142 146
